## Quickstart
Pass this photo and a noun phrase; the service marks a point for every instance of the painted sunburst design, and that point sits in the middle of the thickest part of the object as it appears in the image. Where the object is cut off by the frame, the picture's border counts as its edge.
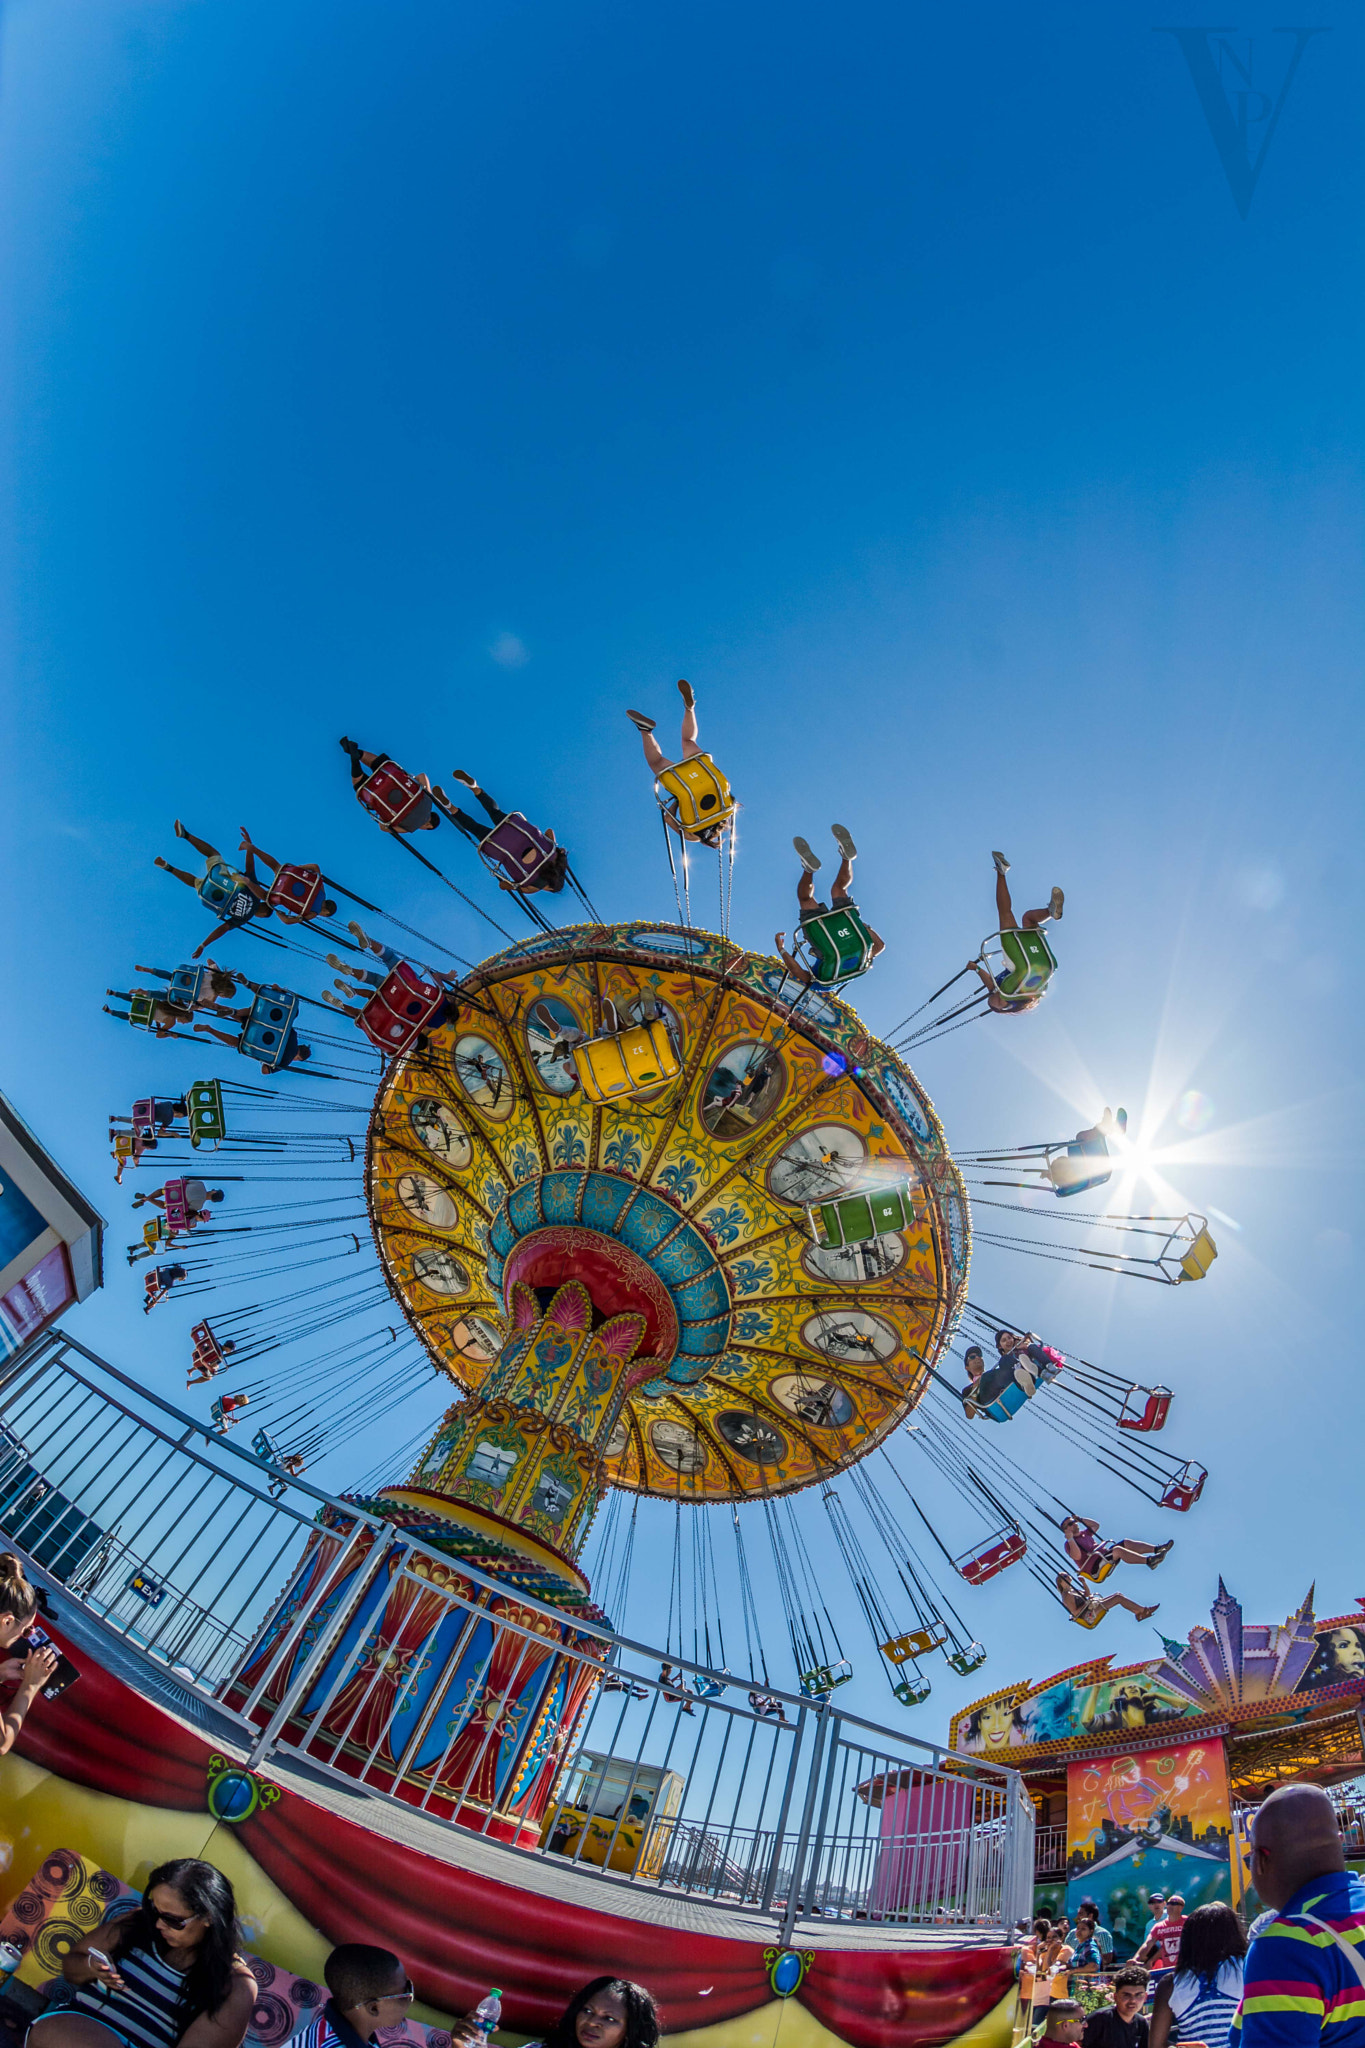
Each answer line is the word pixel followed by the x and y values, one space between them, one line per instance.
pixel 777 1364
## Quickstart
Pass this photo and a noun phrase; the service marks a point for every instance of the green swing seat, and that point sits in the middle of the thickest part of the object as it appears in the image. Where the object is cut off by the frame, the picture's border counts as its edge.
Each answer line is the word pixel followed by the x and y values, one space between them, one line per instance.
pixel 1029 961
pixel 854 1219
pixel 208 1118
pixel 840 944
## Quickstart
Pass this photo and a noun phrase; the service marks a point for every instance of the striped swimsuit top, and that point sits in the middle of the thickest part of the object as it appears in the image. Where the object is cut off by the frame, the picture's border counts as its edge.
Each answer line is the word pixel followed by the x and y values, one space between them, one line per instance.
pixel 148 2014
pixel 1203 2008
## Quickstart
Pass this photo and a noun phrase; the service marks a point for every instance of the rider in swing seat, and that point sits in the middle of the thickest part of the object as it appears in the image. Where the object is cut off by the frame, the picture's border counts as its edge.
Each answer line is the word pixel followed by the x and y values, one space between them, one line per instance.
pixel 550 876
pixel 1024 1365
pixel 234 894
pixel 1088 1611
pixel 290 1052
pixel 367 976
pixel 423 817
pixel 690 749
pixel 298 889
pixel 1000 995
pixel 1092 1553
pixel 841 947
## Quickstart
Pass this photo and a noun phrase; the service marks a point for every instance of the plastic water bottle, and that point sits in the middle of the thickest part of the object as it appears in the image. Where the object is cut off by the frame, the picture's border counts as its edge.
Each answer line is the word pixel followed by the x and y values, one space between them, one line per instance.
pixel 489 2012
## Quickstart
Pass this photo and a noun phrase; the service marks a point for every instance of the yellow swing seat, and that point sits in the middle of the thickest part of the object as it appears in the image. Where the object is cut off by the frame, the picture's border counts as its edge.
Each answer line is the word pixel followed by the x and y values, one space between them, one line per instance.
pixel 621 1064
pixel 1098 1573
pixel 695 797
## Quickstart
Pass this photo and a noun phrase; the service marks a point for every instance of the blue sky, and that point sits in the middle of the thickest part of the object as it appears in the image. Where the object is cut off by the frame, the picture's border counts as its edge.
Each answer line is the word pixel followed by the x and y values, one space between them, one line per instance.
pixel 454 377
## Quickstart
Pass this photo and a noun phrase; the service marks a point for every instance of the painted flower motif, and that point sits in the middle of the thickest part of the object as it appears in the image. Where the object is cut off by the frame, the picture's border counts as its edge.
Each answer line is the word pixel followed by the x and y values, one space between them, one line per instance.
pixel 523 1163
pixel 725 1224
pixel 494 1193
pixel 749 1274
pixel 750 1325
pixel 681 1178
pixel 569 1149
pixel 625 1153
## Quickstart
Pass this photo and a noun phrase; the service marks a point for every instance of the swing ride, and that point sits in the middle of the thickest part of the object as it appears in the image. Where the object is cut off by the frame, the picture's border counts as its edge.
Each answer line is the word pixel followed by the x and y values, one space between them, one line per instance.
pixel 675 1226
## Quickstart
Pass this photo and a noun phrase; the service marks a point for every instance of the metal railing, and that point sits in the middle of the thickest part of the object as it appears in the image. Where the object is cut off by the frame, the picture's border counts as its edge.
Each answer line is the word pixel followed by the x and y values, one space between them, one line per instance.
pixel 1049 1852
pixel 327 1634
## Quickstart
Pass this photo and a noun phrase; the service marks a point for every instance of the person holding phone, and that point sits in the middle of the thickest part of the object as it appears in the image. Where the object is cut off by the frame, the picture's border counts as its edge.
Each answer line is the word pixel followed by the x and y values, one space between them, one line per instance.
pixel 166 1976
pixel 33 1667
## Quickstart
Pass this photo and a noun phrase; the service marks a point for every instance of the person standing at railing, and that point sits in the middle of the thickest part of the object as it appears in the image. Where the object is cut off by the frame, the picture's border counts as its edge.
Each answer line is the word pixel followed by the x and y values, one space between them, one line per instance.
pixel 1044 1962
pixel 32 1670
pixel 1102 1935
pixel 169 1975
pixel 611 2012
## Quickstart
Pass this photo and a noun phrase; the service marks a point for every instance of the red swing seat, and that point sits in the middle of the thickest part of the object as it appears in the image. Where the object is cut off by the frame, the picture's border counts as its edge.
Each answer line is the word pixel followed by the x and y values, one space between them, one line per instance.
pixel 391 795
pixel 1182 1493
pixel 177 1209
pixel 1002 1551
pixel 399 1011
pixel 297 889
pixel 1152 1415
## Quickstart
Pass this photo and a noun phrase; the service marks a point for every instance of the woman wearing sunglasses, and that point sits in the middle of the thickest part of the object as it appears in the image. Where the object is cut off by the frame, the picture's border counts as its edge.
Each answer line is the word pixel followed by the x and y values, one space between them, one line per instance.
pixel 167 1974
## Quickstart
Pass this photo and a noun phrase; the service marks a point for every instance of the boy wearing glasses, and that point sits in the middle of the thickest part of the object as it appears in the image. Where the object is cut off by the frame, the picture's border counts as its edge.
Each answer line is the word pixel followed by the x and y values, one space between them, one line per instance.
pixel 369 1989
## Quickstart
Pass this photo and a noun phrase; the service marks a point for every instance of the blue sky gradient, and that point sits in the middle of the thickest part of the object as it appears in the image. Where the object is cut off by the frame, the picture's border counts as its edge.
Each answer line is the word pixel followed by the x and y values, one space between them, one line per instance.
pixel 455 377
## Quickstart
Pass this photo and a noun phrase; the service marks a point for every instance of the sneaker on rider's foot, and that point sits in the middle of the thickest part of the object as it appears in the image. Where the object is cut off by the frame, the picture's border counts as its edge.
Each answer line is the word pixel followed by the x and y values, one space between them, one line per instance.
pixel 640 722
pixel 685 692
pixel 843 839
pixel 462 775
pixel 1145 1613
pixel 1002 866
pixel 810 860
pixel 1055 906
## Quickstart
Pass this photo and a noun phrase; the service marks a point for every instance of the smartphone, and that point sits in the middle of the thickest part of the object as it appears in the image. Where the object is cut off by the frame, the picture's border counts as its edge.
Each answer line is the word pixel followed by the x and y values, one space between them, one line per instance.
pixel 97 1955
pixel 66 1672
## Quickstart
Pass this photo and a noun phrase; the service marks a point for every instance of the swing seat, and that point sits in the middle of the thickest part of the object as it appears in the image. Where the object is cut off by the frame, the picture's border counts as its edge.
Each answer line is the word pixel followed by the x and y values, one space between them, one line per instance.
pixel 392 796
pixel 142 1009
pixel 916 1642
pixel 707 1688
pixel 262 1445
pixel 1007 1405
pixel 153 1114
pixel 208 1118
pixel 1073 1173
pixel 1002 1551
pixel 1184 1491
pixel 1091 1620
pixel 398 1012
pixel 296 889
pixel 1022 961
pixel 622 1064
pixel 824 1677
pixel 968 1660
pixel 910 1691
pixel 268 1030
pixel 1152 1415
pixel 227 893
pixel 154 1232
pixel 695 797
pixel 517 849
pixel 1098 1570
pixel 855 1219
pixel 208 1352
pixel 1195 1262
pixel 839 945
pixel 177 1208
pixel 187 986
pixel 223 1413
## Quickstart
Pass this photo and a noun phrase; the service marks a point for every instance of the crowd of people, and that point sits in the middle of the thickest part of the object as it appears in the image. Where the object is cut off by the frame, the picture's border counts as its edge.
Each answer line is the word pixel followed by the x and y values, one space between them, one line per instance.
pixel 1294 1979
pixel 174 1973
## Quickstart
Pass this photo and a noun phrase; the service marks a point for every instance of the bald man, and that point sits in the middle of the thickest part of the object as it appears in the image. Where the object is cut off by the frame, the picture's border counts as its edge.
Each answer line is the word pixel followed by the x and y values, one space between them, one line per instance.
pixel 1305 1975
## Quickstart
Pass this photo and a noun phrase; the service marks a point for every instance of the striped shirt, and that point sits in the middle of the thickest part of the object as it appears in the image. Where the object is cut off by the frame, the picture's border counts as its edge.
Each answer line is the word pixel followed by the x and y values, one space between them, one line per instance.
pixel 148 2013
pixel 1203 2008
pixel 332 2029
pixel 1300 1988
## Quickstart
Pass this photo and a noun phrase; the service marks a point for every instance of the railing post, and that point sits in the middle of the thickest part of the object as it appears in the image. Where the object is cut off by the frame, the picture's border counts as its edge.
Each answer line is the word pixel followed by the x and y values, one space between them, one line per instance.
pixel 780 1825
pixel 299 1688
pixel 799 1859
